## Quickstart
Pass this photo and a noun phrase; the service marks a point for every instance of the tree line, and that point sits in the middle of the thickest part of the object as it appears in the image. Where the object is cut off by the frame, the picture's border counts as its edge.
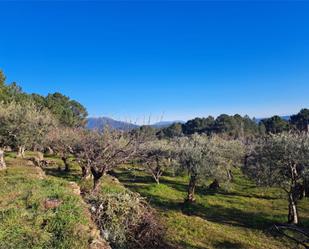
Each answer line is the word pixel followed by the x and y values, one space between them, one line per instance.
pixel 237 126
pixel 66 111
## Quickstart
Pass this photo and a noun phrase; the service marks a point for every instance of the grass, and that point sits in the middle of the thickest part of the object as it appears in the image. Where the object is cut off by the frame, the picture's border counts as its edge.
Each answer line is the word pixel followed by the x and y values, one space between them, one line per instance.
pixel 25 222
pixel 239 216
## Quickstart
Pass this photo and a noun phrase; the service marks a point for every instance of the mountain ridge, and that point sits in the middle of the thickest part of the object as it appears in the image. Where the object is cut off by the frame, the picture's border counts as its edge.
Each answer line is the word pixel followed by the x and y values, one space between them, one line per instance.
pixel 99 123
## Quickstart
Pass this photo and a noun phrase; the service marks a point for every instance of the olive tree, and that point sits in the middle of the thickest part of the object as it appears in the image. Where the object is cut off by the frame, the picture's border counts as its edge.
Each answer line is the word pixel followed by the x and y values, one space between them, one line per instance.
pixel 24 125
pixel 62 141
pixel 156 156
pixel 102 152
pixel 230 154
pixel 283 161
pixel 206 158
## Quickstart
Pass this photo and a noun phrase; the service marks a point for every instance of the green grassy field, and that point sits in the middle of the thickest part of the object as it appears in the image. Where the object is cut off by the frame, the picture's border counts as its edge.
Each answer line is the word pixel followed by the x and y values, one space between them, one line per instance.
pixel 237 217
pixel 26 221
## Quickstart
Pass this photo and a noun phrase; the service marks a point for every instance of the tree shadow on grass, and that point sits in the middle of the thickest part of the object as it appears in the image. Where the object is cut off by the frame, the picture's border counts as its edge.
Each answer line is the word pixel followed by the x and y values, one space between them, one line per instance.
pixel 228 245
pixel 257 196
pixel 215 213
pixel 127 177
pixel 185 245
pixel 72 175
pixel 218 245
pixel 231 216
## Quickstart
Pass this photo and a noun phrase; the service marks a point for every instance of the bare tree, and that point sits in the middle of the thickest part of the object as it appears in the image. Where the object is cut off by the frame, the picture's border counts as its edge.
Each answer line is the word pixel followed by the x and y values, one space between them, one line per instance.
pixel 156 156
pixel 62 141
pixel 282 161
pixel 102 152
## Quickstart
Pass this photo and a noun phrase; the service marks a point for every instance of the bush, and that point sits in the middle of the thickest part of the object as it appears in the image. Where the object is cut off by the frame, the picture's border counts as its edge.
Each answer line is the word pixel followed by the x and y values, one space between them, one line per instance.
pixel 126 220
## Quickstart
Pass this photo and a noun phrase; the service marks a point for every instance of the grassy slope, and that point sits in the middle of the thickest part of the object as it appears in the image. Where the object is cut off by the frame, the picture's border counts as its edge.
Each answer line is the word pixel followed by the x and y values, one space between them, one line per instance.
pixel 238 217
pixel 26 223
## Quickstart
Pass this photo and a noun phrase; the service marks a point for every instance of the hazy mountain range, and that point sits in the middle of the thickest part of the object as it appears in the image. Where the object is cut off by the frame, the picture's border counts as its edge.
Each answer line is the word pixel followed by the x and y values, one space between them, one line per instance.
pixel 287 117
pixel 100 122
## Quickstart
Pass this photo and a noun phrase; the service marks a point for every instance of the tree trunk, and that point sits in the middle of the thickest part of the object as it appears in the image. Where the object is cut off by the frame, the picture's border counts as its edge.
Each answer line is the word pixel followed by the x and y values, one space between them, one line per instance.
pixel 293 213
pixel 66 164
pixel 21 152
pixel 157 179
pixel 306 188
pixel 49 151
pixel 85 172
pixel 191 189
pixel 215 185
pixel 156 176
pixel 156 172
pixel 2 162
pixel 230 175
pixel 96 180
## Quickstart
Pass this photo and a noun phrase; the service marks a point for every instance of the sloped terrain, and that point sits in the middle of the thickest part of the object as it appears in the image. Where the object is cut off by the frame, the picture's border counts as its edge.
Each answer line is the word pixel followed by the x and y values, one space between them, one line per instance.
pixel 39 211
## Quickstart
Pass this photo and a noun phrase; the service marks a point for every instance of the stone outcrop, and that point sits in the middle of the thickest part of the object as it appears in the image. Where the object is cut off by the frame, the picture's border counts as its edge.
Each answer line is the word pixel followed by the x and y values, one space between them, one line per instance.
pixel 2 162
pixel 52 203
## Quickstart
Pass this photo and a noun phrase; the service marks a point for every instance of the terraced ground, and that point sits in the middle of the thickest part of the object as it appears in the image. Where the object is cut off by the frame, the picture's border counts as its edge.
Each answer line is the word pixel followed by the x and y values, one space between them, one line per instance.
pixel 39 211
pixel 238 216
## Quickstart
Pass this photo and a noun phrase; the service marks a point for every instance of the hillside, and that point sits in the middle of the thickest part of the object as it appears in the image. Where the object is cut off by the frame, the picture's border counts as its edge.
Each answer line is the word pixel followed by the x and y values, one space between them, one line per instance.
pixel 239 216
pixel 41 211
pixel 100 122
pixel 163 124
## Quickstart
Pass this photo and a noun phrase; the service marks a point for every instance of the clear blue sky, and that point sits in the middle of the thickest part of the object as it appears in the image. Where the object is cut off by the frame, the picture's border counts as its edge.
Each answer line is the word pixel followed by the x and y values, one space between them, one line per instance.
pixel 131 59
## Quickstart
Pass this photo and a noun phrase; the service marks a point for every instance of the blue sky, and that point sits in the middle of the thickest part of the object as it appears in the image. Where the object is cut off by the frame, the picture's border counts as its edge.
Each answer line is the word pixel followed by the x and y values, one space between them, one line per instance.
pixel 135 59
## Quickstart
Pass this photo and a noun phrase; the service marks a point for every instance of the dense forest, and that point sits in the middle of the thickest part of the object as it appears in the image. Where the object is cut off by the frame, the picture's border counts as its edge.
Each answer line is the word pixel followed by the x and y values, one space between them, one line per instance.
pixel 237 126
pixel 163 173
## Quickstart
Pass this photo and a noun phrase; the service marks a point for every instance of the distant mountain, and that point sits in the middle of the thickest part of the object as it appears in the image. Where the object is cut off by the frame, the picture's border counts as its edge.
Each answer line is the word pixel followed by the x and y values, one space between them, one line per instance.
pixel 100 122
pixel 283 117
pixel 286 117
pixel 164 124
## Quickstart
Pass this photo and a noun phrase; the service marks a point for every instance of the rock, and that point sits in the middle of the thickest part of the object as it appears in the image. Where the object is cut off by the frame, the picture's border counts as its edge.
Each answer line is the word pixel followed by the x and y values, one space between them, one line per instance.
pixel 52 203
pixel 114 179
pixel 40 156
pixel 35 161
pixel 30 163
pixel 75 188
pixel 99 244
pixel 40 173
pixel 95 234
pixel 2 162
pixel 7 148
pixel 49 151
